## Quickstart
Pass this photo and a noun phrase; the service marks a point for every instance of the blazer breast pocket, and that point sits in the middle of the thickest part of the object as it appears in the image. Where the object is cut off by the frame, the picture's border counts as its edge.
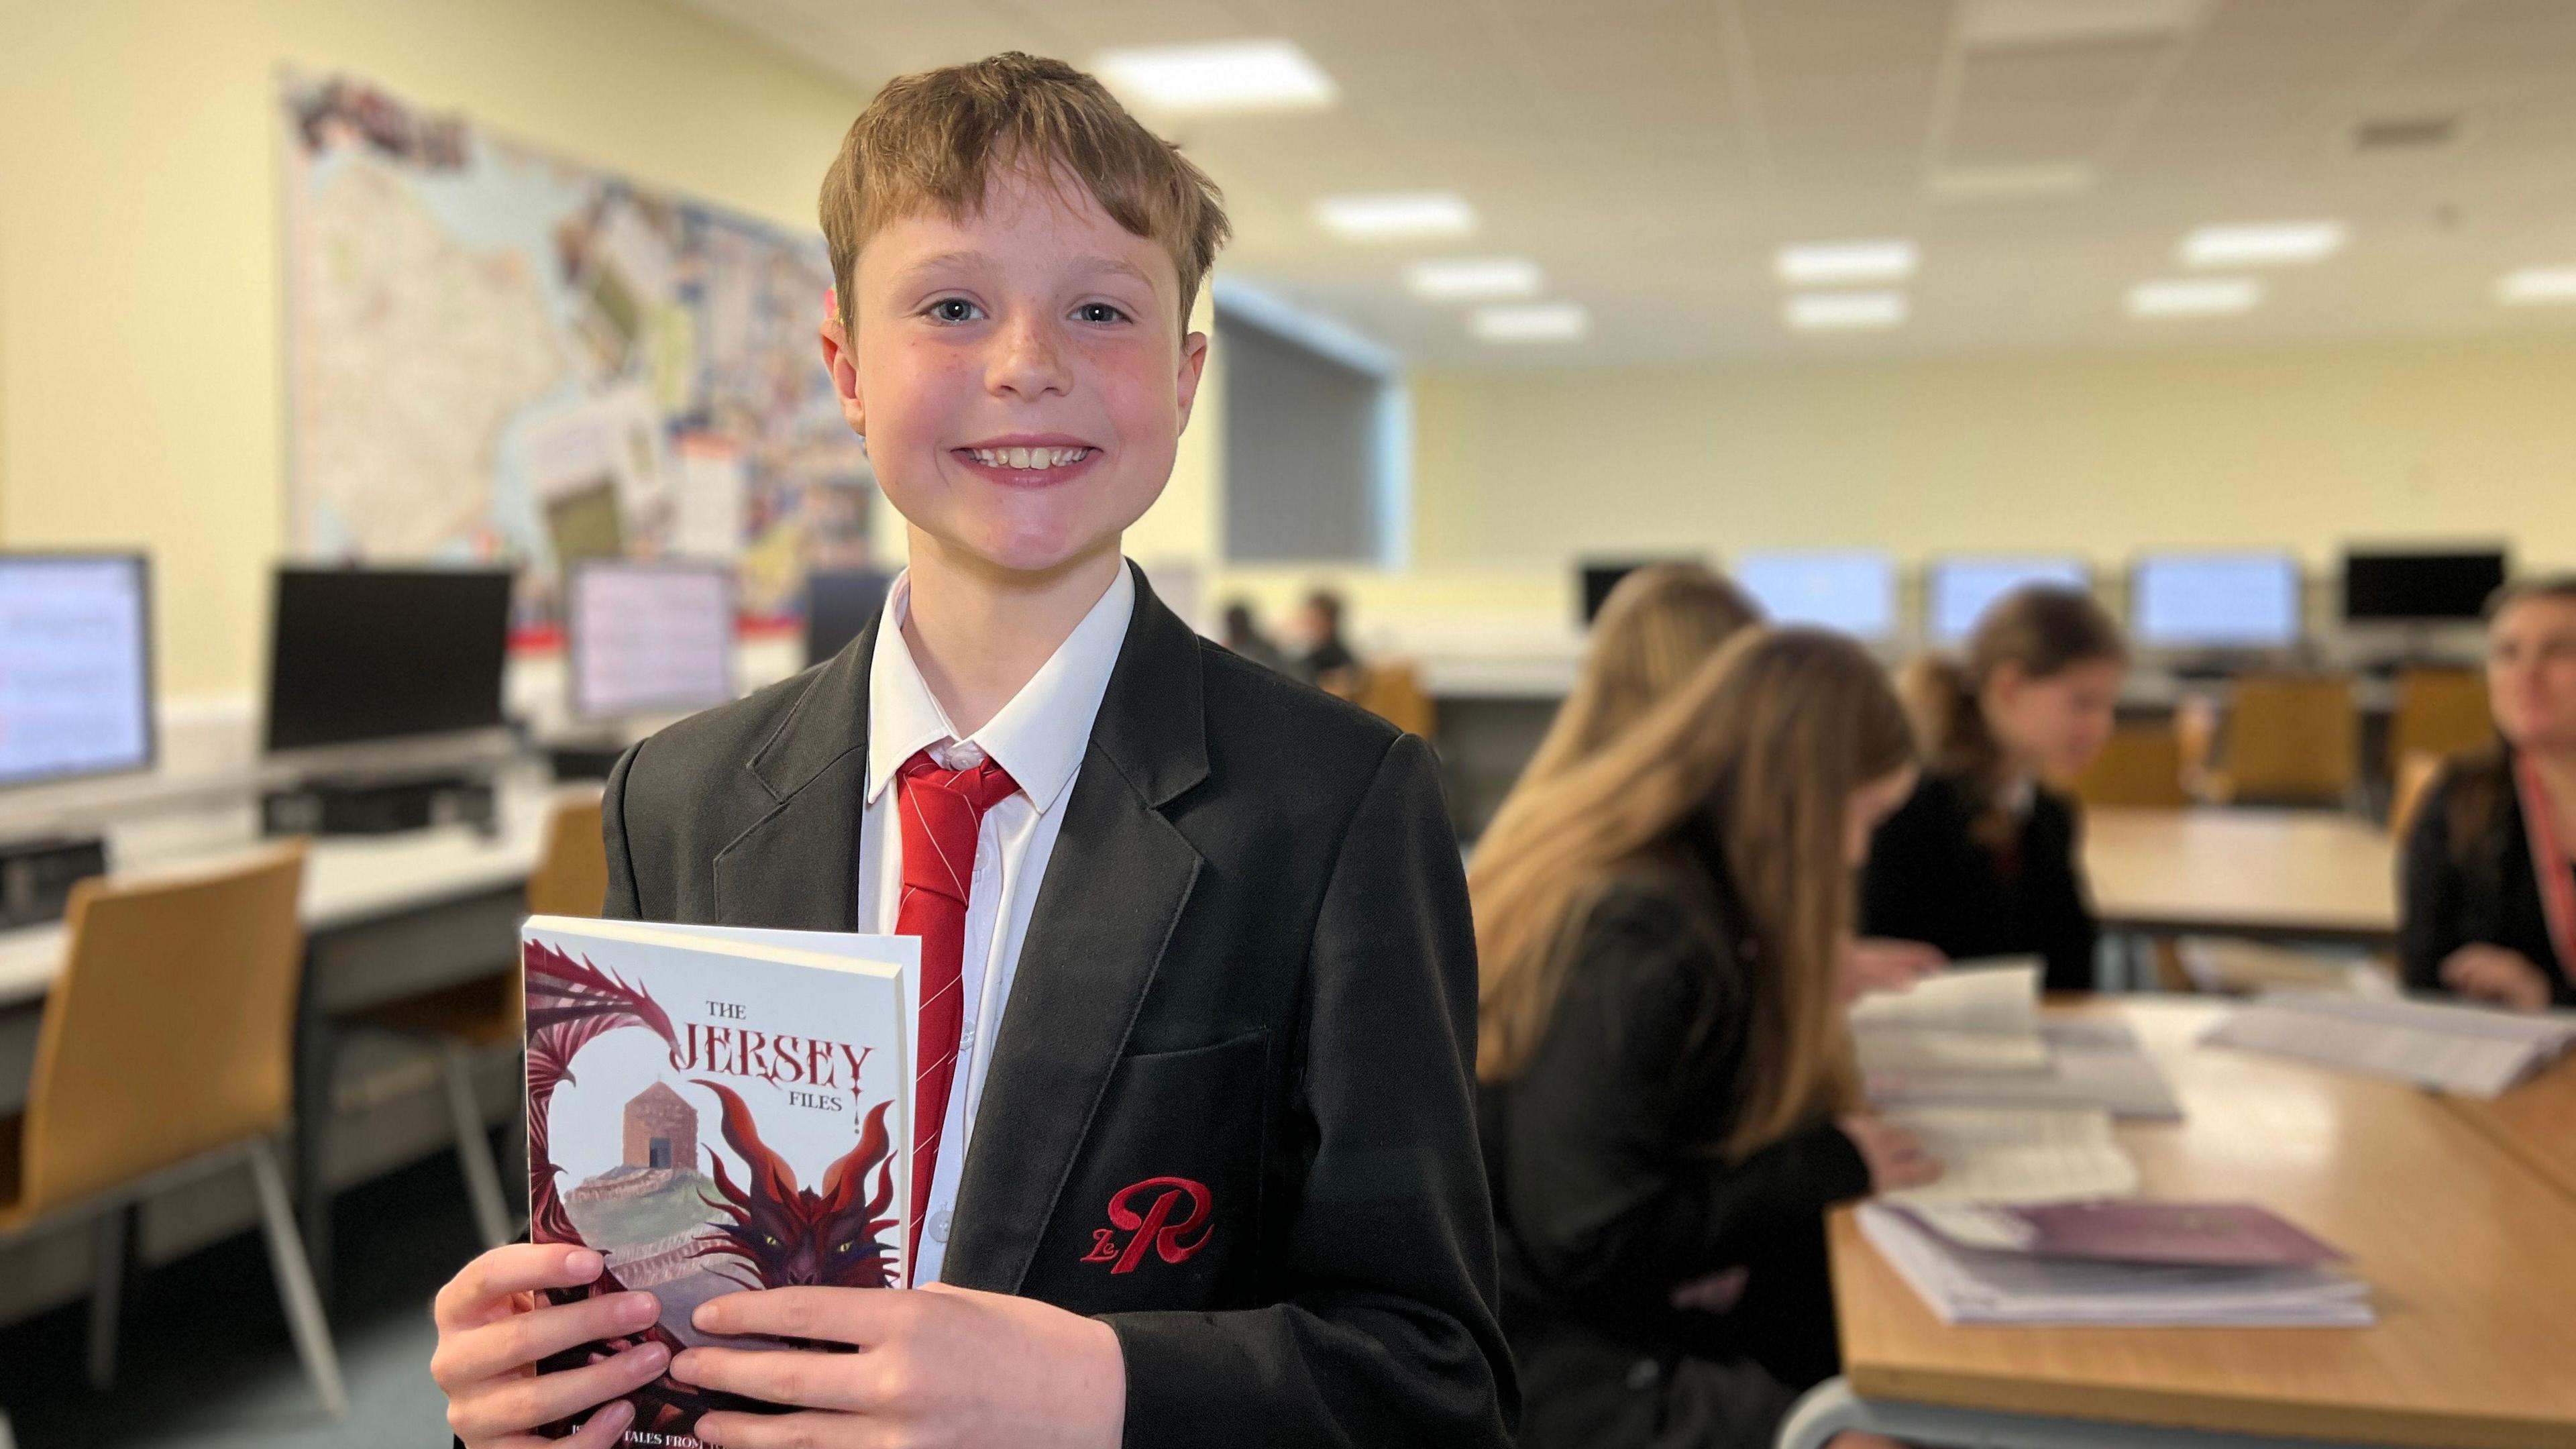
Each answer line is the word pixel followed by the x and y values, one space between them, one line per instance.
pixel 1163 1204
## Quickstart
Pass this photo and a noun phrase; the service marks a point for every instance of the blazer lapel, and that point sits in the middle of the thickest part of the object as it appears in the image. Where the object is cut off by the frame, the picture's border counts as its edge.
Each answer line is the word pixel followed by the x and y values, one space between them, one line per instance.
pixel 1114 889
pixel 796 867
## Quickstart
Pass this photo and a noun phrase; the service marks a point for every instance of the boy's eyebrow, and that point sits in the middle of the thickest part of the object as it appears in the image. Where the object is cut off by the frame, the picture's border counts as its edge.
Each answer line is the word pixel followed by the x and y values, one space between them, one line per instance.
pixel 968 259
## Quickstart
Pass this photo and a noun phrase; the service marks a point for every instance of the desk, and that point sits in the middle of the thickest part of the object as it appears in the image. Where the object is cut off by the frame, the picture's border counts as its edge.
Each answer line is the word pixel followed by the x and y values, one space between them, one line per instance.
pixel 2535 1121
pixel 2471 1256
pixel 2291 875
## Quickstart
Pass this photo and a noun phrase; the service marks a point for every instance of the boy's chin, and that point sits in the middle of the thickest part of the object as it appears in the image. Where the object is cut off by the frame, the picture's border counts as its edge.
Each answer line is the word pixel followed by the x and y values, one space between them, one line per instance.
pixel 1027 557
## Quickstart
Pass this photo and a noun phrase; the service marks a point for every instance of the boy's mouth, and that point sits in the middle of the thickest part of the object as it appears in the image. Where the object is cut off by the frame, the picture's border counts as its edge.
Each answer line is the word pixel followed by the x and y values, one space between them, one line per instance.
pixel 1027 464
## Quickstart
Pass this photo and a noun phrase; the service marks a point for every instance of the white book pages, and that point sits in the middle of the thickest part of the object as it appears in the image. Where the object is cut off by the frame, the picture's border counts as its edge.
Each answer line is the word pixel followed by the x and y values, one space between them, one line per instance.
pixel 2465 1050
pixel 2090 1064
pixel 2000 995
pixel 1968 1286
pixel 2016 1154
pixel 1976 1053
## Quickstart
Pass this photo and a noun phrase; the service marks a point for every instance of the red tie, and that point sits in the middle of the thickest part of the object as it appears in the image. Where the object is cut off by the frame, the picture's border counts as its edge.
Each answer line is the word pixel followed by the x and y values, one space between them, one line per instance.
pixel 941 811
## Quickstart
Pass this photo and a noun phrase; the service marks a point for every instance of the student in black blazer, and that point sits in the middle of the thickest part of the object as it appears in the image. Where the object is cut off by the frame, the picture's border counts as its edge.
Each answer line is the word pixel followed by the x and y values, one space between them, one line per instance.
pixel 2478 878
pixel 1985 860
pixel 1666 1088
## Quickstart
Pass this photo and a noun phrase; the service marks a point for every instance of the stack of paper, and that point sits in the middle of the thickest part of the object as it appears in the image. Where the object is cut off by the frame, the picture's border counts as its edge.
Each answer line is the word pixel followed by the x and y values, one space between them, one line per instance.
pixel 2095 1063
pixel 1976 1018
pixel 1968 1275
pixel 2471 1051
pixel 2017 1155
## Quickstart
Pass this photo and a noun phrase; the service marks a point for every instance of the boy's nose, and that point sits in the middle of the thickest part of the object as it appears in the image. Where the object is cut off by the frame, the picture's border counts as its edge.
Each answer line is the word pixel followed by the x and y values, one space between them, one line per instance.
pixel 1028 361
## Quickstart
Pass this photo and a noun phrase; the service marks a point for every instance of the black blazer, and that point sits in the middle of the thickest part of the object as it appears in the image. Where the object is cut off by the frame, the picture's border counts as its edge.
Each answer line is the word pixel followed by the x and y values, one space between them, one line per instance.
pixel 1250 966
pixel 1610 1194
pixel 1927 881
pixel 2492 898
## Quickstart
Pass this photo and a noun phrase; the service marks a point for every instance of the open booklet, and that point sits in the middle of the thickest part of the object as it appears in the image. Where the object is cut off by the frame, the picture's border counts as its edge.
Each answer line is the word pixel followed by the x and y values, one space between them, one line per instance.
pixel 713 1110
pixel 2016 1154
pixel 2449 1046
pixel 1976 1017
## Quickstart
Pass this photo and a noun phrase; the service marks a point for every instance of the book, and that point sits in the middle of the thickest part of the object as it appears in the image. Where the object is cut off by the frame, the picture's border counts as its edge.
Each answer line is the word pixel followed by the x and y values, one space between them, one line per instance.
pixel 1962 1284
pixel 2091 1063
pixel 1997 995
pixel 2128 1230
pixel 2016 1154
pixel 714 1110
pixel 2448 1046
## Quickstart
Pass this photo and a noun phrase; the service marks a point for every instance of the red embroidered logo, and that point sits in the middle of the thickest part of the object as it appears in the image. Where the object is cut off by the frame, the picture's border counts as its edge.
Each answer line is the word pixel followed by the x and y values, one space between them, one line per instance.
pixel 1154 1227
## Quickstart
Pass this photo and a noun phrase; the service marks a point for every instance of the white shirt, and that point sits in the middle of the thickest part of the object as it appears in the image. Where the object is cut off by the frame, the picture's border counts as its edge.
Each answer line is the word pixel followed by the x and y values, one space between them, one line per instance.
pixel 1039 737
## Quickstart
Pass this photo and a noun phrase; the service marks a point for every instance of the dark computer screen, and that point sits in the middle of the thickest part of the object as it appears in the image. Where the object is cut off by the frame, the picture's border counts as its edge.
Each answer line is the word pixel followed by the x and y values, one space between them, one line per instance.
pixel 75 665
pixel 375 654
pixel 2424 586
pixel 838 604
pixel 1600 578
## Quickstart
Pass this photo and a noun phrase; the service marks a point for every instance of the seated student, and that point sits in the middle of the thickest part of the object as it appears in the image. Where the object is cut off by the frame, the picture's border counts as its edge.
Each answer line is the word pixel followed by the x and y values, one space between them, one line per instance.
pixel 1665 1079
pixel 1324 658
pixel 1215 920
pixel 1243 635
pixel 1658 626
pixel 1983 861
pixel 2489 891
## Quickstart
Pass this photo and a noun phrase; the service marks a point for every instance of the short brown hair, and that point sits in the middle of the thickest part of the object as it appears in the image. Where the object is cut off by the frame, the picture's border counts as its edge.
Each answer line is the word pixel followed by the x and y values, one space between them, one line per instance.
pixel 931 141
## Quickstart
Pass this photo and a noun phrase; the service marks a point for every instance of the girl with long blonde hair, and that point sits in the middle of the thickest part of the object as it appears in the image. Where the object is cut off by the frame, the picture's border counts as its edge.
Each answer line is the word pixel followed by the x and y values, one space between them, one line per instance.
pixel 1666 1085
pixel 1660 623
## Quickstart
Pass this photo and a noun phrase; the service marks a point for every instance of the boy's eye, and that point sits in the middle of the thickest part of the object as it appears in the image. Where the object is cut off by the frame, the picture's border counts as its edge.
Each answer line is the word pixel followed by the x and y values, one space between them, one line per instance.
pixel 953 309
pixel 1099 312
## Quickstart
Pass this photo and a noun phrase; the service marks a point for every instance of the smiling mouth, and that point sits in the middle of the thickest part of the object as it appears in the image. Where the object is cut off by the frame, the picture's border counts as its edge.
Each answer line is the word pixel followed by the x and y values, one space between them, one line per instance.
pixel 1027 459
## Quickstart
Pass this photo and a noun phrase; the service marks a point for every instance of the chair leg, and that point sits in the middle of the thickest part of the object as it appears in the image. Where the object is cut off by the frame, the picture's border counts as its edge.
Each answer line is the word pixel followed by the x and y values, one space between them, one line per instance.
pixel 294 1274
pixel 111 1240
pixel 474 1147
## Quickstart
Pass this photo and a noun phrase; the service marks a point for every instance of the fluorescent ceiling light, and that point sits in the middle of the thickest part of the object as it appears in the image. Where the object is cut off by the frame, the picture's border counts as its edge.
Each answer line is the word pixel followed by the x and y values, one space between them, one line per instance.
pixel 1999 24
pixel 1472 279
pixel 2263 244
pixel 1844 311
pixel 2195 297
pixel 1534 322
pixel 1234 75
pixel 1813 263
pixel 2005 183
pixel 1389 216
pixel 2532 286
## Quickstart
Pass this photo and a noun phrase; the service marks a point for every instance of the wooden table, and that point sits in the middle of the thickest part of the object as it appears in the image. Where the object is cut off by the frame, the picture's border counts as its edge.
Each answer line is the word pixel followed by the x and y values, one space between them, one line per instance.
pixel 2297 875
pixel 2471 1255
pixel 2535 1121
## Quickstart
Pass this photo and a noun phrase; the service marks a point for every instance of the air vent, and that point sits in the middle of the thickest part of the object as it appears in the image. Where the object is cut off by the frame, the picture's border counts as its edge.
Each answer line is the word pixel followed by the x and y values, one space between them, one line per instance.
pixel 2405 133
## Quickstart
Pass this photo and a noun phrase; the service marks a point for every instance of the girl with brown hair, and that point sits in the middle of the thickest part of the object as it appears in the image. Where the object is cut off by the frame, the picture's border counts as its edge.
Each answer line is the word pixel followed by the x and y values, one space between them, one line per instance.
pixel 2489 888
pixel 1983 860
pixel 1665 1080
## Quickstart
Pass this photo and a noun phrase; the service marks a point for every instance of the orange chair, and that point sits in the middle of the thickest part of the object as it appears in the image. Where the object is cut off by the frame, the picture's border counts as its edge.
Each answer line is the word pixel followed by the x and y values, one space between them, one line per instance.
pixel 1394 693
pixel 2291 740
pixel 166 1053
pixel 2440 712
pixel 2140 766
pixel 2416 772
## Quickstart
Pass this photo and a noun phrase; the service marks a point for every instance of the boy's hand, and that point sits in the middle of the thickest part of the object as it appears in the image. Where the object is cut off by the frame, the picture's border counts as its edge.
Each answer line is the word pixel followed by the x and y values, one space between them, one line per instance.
pixel 491 1332
pixel 937 1366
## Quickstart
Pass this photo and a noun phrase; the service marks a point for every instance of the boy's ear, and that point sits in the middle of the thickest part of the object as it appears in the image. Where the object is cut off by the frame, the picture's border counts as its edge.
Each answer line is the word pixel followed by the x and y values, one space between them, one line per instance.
pixel 844 368
pixel 1193 366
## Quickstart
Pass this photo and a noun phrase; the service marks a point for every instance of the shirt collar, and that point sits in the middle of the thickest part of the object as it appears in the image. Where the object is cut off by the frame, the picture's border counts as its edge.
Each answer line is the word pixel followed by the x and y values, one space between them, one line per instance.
pixel 1039 737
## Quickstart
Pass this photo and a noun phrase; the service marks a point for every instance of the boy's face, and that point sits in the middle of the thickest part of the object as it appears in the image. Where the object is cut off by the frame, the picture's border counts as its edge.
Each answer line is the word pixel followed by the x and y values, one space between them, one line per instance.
pixel 1019 374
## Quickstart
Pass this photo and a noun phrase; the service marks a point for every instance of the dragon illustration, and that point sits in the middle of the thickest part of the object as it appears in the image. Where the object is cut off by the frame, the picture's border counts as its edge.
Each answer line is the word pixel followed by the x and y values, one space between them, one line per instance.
pixel 790 1235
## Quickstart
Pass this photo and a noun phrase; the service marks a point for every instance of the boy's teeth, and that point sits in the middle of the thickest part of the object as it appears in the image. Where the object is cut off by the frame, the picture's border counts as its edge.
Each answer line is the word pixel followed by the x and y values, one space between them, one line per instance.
pixel 1029 457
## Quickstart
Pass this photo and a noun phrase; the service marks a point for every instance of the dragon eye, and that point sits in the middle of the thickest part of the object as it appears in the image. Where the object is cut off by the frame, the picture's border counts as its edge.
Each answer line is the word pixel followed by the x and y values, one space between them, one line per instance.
pixel 770 1240
pixel 840 1247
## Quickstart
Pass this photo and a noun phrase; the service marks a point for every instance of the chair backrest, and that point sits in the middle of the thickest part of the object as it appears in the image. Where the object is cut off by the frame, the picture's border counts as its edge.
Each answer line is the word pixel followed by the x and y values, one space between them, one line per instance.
pixel 2139 766
pixel 2415 775
pixel 2440 712
pixel 1394 693
pixel 2292 739
pixel 171 1030
pixel 571 878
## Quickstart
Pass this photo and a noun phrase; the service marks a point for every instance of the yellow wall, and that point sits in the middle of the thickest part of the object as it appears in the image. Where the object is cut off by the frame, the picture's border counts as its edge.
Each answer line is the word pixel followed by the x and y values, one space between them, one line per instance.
pixel 2101 454
pixel 139 265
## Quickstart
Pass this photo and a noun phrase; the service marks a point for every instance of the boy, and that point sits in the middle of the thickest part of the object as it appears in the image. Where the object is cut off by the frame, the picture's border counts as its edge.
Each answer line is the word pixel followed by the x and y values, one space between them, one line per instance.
pixel 1207 1172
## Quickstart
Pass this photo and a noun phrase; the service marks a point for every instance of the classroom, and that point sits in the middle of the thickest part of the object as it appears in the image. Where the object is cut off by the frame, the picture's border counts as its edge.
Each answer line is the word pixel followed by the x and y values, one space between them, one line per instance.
pixel 1797 723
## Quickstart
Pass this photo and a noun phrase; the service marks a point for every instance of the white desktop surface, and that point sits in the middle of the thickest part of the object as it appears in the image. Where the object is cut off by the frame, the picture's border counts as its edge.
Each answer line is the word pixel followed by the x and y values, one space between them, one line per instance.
pixel 346 879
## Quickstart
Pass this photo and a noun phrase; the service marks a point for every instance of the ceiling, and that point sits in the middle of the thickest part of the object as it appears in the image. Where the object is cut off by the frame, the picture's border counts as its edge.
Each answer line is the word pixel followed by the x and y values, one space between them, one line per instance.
pixel 2044 154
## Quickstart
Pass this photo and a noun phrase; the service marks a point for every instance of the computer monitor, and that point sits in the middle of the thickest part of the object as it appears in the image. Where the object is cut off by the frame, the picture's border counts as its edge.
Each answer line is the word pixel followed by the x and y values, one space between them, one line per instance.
pixel 838 604
pixel 1852 591
pixel 648 638
pixel 378 654
pixel 1959 590
pixel 2387 587
pixel 75 665
pixel 1598 579
pixel 2215 601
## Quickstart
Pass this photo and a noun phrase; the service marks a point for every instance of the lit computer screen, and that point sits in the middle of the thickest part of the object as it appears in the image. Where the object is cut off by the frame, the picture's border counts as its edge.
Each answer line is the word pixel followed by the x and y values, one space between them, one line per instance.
pixel 1961 589
pixel 75 666
pixel 2424 587
pixel 376 654
pixel 838 604
pixel 2215 601
pixel 1854 592
pixel 647 638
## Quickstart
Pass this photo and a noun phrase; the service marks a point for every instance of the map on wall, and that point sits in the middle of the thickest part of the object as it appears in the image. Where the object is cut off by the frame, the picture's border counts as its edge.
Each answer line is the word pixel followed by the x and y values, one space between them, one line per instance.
pixel 495 354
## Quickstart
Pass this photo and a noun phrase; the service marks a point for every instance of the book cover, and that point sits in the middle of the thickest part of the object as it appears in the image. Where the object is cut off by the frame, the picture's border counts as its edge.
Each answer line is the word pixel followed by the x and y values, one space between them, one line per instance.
pixel 715 1110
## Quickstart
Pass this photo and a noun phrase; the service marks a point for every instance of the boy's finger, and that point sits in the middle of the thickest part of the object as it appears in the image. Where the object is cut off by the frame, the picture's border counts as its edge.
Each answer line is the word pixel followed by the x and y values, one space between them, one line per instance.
pixel 523 1338
pixel 807 1380
pixel 480 1292
pixel 518 1405
pixel 780 1431
pixel 602 1428
pixel 861 1316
